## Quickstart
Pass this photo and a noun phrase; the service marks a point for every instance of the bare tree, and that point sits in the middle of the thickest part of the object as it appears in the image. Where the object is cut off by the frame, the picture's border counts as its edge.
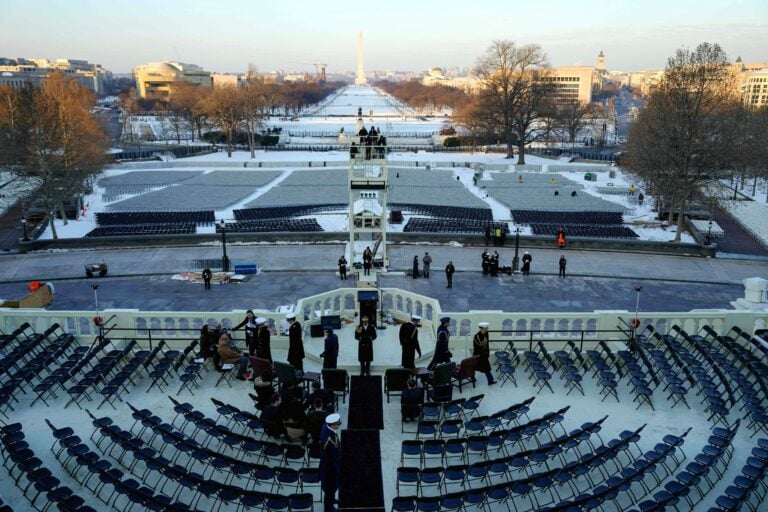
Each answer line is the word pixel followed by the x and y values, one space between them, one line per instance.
pixel 255 106
pixel 188 101
pixel 572 117
pixel 512 82
pixel 688 133
pixel 225 109
pixel 58 144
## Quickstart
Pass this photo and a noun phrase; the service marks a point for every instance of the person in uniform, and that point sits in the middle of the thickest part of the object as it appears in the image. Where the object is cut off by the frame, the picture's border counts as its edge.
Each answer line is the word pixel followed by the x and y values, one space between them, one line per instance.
pixel 295 345
pixel 527 258
pixel 263 337
pixel 481 347
pixel 343 267
pixel 330 353
pixel 442 354
pixel 249 323
pixel 207 276
pixel 330 460
pixel 486 262
pixel 409 341
pixel 365 333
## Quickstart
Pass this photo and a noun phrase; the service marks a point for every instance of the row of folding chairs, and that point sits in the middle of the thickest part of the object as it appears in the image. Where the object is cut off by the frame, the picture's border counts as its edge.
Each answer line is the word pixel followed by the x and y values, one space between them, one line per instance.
pixel 703 371
pixel 106 372
pixel 750 486
pixel 38 481
pixel 500 443
pixel 204 217
pixel 132 450
pixel 18 335
pixel 199 444
pixel 744 373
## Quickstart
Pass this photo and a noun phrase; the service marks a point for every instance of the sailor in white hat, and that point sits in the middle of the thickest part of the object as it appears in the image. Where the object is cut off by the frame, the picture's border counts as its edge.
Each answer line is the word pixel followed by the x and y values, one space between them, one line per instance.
pixel 330 459
pixel 482 347
pixel 295 345
pixel 263 337
pixel 409 342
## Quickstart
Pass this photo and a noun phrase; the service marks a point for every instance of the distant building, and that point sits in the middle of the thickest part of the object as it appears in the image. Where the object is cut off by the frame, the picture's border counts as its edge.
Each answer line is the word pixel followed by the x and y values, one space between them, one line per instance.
pixel 436 76
pixel 20 71
pixel 157 79
pixel 754 88
pixel 227 80
pixel 574 83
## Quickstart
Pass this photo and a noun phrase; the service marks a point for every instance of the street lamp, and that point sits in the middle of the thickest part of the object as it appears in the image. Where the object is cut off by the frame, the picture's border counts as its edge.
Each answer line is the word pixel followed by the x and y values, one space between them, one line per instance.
pixel 224 258
pixel 24 226
pixel 709 231
pixel 516 260
pixel 635 322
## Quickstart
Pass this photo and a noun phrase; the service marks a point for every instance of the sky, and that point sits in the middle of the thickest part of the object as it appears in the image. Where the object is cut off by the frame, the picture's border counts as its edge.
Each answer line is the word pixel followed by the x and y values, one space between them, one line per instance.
pixel 402 35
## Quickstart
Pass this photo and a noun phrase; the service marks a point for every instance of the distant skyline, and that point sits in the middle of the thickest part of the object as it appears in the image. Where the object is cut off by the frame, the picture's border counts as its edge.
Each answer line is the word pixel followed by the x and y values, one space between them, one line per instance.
pixel 400 35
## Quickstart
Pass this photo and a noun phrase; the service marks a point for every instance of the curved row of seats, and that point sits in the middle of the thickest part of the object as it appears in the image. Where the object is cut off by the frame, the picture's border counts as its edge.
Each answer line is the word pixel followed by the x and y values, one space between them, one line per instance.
pixel 447 212
pixel 282 212
pixel 143 229
pixel 202 217
pixel 273 226
pixel 586 231
pixel 579 217
pixel 427 225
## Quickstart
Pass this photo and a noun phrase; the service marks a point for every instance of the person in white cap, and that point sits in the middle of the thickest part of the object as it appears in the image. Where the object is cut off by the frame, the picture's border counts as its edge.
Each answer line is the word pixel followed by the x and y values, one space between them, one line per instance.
pixel 295 345
pixel 481 346
pixel 263 337
pixel 409 341
pixel 330 460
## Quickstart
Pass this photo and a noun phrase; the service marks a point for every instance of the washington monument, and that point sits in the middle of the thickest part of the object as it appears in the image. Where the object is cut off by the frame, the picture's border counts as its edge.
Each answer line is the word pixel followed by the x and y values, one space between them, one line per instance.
pixel 360 75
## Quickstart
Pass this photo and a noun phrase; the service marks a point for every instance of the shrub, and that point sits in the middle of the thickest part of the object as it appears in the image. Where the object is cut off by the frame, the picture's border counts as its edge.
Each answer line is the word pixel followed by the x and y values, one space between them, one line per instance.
pixel 451 142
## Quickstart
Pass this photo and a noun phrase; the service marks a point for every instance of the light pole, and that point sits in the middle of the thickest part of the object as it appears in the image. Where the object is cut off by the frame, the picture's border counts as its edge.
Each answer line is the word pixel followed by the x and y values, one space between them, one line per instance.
pixel 709 232
pixel 635 322
pixel 516 260
pixel 224 258
pixel 24 226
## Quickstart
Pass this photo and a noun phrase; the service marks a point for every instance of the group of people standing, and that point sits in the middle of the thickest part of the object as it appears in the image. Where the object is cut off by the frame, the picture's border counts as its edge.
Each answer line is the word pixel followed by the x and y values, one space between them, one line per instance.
pixel 372 140
pixel 365 334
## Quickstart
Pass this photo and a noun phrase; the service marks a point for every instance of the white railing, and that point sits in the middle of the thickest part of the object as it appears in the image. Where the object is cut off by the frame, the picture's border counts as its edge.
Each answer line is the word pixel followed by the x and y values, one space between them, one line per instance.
pixel 177 328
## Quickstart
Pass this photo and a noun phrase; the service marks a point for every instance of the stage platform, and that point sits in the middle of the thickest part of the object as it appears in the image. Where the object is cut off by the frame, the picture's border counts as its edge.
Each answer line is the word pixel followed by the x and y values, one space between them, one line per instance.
pixel 386 348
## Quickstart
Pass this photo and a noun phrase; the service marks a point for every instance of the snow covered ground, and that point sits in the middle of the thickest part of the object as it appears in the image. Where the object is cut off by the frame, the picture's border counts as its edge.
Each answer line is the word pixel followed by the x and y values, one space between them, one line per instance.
pixel 638 217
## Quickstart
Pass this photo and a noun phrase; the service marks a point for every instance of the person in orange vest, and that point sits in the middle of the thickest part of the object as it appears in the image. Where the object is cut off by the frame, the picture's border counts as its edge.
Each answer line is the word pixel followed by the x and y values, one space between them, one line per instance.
pixel 561 238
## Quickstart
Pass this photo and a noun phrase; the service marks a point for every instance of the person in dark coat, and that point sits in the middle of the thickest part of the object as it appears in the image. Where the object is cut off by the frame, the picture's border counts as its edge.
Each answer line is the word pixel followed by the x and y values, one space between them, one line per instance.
pixel 207 342
pixel 562 263
pixel 527 258
pixel 315 422
pixel 207 276
pixel 409 341
pixel 486 262
pixel 481 346
pixel 415 267
pixel 494 264
pixel 449 270
pixel 326 396
pixel 249 323
pixel 330 349
pixel 353 150
pixel 365 334
pixel 262 386
pixel 263 337
pixel 442 354
pixel 272 417
pixel 342 267
pixel 295 345
pixel 367 261
pixel 411 401
pixel 330 460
